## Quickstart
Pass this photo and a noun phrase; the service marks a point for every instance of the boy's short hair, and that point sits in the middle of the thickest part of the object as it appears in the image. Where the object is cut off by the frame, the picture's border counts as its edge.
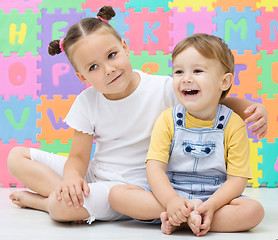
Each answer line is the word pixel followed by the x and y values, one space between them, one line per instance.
pixel 209 46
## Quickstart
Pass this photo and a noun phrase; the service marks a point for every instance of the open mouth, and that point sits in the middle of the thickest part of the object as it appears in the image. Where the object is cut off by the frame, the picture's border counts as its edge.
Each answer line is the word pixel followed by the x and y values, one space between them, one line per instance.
pixel 190 92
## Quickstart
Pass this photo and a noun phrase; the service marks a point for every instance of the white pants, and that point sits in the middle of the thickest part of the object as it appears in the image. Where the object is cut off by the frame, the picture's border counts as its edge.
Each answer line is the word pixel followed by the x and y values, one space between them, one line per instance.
pixel 96 203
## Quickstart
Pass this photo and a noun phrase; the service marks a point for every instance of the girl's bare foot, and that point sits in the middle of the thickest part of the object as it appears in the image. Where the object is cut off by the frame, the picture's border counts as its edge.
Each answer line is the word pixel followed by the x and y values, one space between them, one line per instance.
pixel 166 226
pixel 25 199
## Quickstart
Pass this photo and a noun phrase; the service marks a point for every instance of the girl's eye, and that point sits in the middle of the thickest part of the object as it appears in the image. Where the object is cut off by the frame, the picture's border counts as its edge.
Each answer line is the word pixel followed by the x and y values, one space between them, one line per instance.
pixel 93 67
pixel 111 55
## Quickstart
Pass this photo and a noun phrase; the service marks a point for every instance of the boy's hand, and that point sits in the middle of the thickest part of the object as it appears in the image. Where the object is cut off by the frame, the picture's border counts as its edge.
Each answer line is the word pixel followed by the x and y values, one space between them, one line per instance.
pixel 207 213
pixel 258 115
pixel 178 210
pixel 71 191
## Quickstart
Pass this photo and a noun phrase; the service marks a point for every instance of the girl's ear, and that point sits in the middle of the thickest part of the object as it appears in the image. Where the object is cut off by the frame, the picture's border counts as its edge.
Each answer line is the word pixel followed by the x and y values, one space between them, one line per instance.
pixel 125 46
pixel 227 81
pixel 81 77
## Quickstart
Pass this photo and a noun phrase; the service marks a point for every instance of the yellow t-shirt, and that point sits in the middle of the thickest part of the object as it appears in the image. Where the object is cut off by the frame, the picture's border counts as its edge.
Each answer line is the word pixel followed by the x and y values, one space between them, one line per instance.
pixel 237 150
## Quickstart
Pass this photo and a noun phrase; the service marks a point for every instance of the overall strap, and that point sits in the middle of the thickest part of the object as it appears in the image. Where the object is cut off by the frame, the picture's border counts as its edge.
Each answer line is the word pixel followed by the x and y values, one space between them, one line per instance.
pixel 222 117
pixel 179 115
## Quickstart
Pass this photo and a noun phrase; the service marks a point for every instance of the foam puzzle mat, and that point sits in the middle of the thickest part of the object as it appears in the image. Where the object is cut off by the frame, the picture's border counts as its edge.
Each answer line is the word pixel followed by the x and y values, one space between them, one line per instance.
pixel 37 90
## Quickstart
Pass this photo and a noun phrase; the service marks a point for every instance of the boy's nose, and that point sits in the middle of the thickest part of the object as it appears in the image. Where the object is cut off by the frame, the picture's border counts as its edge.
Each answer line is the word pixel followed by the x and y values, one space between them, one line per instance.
pixel 187 78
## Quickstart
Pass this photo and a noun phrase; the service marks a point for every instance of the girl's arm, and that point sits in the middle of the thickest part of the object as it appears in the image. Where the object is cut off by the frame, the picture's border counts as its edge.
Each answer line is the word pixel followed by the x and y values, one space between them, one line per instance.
pixel 250 112
pixel 75 169
pixel 178 209
pixel 231 189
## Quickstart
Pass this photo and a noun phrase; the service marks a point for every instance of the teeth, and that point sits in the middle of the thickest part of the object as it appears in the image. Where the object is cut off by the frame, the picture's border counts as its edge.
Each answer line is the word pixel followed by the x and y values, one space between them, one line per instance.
pixel 190 92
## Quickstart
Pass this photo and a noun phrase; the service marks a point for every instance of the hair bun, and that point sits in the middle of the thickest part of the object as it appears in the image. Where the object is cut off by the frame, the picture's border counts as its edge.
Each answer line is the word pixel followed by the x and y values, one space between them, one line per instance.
pixel 106 12
pixel 54 47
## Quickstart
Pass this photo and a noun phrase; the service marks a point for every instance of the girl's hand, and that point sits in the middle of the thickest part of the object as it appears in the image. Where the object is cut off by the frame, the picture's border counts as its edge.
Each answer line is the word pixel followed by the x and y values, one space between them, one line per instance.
pixel 178 210
pixel 207 215
pixel 71 191
pixel 258 115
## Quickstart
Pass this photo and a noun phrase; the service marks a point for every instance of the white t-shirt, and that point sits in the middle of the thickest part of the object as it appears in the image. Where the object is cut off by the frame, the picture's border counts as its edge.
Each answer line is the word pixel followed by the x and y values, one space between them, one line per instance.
pixel 122 128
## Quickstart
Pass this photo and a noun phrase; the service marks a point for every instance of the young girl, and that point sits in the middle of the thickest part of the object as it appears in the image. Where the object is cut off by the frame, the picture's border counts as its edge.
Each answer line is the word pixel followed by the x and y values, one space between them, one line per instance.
pixel 118 111
pixel 199 156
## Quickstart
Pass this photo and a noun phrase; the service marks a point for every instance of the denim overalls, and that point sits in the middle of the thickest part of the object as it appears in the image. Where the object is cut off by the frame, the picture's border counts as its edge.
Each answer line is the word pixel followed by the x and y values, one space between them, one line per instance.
pixel 196 166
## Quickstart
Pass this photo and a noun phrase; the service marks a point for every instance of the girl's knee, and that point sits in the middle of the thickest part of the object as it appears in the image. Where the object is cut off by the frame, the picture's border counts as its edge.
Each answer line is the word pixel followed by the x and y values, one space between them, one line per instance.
pixel 115 196
pixel 14 157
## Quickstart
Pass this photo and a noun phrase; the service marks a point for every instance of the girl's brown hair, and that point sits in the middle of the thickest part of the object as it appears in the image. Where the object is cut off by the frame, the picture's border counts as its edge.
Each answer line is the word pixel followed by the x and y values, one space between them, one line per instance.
pixel 83 28
pixel 208 46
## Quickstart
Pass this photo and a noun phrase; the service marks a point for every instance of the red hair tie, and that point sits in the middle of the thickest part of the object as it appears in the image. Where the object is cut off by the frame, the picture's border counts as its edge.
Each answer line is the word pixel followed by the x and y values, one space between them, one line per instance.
pixel 102 19
pixel 61 44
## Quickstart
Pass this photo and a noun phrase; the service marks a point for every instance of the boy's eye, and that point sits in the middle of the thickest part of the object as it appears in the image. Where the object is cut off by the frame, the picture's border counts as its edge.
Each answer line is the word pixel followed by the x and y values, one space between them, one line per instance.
pixel 111 55
pixel 198 71
pixel 178 72
pixel 93 67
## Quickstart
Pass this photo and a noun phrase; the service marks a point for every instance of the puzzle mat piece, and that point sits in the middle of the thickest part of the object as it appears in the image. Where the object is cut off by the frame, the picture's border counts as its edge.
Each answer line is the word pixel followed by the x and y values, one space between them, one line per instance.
pixel 65 5
pixel 58 76
pixel 18 119
pixel 254 160
pixel 239 4
pixel 19 32
pixel 148 31
pixel 246 71
pixel 151 4
pixel 271 106
pixel 61 148
pixel 268 4
pixel 117 22
pixel 152 64
pixel 269 30
pixel 53 111
pixel 269 73
pixel 196 5
pixel 5 178
pixel 94 5
pixel 189 22
pixel 238 29
pixel 21 5
pixel 19 76
pixel 269 154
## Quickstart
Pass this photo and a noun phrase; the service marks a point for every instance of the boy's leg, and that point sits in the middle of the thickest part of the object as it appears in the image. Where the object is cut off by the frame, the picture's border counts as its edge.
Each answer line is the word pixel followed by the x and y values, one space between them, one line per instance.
pixel 241 214
pixel 34 175
pixel 135 202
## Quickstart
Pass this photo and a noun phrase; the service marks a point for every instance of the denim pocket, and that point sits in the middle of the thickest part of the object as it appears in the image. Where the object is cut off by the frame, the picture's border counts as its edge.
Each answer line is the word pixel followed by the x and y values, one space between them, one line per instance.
pixel 198 149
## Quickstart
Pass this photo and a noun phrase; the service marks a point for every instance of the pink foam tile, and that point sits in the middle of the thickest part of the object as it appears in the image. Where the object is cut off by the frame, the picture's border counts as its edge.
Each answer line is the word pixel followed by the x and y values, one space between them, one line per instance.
pixel 5 178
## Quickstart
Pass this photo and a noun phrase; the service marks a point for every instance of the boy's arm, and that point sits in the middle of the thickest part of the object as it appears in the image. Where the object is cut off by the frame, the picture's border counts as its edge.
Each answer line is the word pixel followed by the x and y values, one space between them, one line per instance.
pixel 231 189
pixel 250 112
pixel 178 209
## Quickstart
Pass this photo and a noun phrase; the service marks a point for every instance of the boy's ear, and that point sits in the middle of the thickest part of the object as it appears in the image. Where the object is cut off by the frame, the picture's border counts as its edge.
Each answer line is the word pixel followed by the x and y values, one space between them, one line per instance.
pixel 81 77
pixel 227 81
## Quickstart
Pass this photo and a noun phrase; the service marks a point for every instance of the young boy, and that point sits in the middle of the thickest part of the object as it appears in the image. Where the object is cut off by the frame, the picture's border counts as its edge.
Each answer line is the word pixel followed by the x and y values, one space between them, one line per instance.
pixel 198 160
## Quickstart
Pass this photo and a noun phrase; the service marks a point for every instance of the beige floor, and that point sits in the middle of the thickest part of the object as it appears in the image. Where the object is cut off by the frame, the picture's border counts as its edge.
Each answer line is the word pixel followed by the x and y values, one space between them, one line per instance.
pixel 16 223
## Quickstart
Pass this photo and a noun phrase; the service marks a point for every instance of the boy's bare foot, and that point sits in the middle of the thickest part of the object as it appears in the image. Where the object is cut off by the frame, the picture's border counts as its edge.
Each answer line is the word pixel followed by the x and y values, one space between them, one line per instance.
pixel 25 199
pixel 166 226
pixel 194 220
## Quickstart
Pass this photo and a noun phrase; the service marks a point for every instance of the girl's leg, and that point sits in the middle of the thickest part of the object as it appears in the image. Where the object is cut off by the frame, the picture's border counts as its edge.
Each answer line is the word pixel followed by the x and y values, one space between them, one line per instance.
pixel 124 198
pixel 241 214
pixel 34 175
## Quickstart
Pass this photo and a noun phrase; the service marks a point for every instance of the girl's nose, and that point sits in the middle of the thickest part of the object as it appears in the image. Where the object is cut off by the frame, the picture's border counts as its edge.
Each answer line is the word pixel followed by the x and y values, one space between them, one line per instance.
pixel 109 69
